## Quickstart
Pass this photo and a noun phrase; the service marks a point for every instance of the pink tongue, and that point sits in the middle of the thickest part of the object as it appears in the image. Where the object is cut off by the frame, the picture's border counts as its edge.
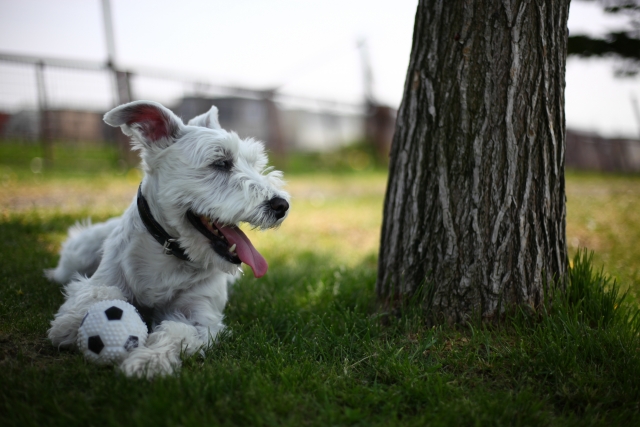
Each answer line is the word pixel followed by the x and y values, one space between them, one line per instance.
pixel 245 250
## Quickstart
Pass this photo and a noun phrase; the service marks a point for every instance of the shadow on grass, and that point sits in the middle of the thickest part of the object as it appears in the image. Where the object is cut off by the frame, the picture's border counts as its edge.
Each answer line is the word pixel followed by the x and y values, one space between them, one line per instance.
pixel 27 299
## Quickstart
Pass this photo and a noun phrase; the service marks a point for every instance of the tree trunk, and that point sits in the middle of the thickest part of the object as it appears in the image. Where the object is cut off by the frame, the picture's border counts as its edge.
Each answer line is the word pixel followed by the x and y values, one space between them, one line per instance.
pixel 475 203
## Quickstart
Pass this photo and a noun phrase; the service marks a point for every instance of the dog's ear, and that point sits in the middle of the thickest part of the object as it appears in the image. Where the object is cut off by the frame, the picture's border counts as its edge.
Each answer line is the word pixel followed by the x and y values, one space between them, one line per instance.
pixel 207 120
pixel 147 122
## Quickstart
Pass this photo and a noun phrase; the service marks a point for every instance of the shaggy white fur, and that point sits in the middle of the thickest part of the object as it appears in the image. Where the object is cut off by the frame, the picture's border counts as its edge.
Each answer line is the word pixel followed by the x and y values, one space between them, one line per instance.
pixel 200 182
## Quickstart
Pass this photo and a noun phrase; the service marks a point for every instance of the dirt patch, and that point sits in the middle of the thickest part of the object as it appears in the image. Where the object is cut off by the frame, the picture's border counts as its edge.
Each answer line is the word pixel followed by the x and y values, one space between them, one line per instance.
pixel 22 351
pixel 67 197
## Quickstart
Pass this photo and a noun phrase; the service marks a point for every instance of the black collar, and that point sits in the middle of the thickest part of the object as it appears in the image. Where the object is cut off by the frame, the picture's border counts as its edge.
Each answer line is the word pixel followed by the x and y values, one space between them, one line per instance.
pixel 169 244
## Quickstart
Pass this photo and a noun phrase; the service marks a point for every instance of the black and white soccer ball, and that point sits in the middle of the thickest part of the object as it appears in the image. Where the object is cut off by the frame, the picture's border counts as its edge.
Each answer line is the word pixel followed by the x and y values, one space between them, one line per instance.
pixel 110 331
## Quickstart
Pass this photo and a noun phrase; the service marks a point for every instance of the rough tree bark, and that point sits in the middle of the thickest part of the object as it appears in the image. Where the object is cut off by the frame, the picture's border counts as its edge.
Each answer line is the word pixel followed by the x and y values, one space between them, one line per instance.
pixel 475 203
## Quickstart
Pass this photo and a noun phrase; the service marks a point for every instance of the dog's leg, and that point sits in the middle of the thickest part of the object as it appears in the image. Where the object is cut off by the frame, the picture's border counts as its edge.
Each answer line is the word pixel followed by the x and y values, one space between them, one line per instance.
pixel 82 251
pixel 80 294
pixel 161 353
pixel 189 325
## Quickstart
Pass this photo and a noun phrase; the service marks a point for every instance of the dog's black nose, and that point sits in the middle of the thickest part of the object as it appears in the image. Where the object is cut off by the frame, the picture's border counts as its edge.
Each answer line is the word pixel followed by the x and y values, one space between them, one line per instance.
pixel 279 206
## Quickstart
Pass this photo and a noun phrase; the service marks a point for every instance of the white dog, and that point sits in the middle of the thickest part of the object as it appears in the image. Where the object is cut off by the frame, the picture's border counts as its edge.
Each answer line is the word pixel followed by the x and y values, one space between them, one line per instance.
pixel 174 249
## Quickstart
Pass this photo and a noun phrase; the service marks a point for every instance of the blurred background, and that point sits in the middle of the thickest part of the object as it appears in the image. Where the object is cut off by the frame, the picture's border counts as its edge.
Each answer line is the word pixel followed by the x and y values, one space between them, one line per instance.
pixel 303 76
pixel 318 81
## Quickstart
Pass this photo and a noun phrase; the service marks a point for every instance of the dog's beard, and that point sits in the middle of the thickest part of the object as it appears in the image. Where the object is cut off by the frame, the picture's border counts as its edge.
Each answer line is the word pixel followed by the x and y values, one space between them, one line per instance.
pixel 230 243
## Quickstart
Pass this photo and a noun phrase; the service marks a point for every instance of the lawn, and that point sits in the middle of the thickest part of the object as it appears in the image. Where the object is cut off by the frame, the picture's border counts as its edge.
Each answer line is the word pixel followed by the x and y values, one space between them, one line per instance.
pixel 307 344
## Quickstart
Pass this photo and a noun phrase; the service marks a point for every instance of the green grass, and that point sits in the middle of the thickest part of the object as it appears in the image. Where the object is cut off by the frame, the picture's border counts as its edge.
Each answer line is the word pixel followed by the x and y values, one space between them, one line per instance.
pixel 22 161
pixel 307 344
pixel 602 215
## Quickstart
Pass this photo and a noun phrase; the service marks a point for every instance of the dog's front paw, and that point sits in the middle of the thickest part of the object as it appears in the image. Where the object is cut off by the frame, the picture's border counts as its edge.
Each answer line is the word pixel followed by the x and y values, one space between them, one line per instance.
pixel 147 363
pixel 161 355
pixel 64 330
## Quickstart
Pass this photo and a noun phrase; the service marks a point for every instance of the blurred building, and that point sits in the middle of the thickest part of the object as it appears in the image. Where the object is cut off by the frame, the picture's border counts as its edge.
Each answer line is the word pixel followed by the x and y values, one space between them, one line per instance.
pixel 307 130
pixel 75 125
pixel 589 151
pixel 23 125
pixel 245 116
pixel 63 125
pixel 280 128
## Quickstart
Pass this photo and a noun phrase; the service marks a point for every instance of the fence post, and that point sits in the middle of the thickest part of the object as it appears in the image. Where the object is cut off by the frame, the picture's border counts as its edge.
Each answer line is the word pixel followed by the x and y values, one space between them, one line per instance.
pixel 276 137
pixel 123 93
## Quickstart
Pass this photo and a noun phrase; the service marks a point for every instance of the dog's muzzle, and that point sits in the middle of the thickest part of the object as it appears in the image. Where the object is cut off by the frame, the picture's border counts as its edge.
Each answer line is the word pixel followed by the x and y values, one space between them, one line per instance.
pixel 229 242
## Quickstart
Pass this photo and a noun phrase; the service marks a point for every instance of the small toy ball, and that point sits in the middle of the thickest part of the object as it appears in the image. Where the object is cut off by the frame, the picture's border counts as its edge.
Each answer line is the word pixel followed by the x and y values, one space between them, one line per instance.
pixel 110 330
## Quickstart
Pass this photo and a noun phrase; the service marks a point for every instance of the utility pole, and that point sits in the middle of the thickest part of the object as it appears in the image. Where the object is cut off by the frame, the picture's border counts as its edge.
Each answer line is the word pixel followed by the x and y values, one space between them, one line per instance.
pixel 379 120
pixel 366 72
pixel 276 137
pixel 636 110
pixel 121 79
pixel 44 116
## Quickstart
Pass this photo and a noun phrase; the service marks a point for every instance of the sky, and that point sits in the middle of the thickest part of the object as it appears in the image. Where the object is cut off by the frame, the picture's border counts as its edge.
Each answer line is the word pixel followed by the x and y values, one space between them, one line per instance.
pixel 303 47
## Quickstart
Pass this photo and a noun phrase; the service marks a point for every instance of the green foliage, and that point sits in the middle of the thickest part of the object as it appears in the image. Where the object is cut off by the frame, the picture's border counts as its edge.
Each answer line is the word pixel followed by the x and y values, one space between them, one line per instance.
pixel 356 158
pixel 90 160
pixel 592 296
pixel 623 44
pixel 69 160
pixel 589 337
pixel 618 44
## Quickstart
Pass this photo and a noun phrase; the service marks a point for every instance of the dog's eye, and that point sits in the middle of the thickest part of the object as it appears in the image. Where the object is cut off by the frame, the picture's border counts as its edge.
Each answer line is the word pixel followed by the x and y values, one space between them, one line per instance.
pixel 224 165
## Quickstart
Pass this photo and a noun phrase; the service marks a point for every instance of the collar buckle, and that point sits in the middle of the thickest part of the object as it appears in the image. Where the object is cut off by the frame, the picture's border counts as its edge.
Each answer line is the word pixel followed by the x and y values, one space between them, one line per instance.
pixel 166 249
